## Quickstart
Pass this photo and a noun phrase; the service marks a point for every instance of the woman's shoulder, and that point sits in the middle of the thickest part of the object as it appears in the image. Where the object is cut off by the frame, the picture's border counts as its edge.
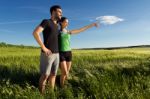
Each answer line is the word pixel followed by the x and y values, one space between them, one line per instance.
pixel 65 32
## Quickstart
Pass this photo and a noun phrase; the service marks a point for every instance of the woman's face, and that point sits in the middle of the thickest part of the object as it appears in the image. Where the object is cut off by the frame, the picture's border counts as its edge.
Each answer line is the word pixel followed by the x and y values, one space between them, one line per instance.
pixel 64 23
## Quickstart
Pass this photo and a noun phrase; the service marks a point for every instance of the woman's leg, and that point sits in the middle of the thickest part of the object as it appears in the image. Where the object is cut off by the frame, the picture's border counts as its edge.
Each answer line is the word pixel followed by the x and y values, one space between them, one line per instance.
pixel 68 68
pixel 63 68
pixel 69 62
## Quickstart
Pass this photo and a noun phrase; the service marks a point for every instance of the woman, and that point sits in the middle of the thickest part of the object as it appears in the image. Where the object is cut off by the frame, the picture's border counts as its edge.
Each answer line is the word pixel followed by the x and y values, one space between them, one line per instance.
pixel 65 49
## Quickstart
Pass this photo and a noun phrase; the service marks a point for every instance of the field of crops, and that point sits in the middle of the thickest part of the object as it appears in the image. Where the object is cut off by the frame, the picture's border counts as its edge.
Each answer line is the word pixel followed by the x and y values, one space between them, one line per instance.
pixel 95 74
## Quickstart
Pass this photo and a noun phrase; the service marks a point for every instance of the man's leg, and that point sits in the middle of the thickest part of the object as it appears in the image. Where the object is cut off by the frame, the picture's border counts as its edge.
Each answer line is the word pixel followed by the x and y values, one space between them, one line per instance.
pixel 45 68
pixel 51 80
pixel 53 72
pixel 42 83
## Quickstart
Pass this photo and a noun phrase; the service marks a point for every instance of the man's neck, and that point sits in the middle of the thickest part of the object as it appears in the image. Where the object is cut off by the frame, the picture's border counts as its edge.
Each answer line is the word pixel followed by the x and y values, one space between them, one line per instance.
pixel 54 20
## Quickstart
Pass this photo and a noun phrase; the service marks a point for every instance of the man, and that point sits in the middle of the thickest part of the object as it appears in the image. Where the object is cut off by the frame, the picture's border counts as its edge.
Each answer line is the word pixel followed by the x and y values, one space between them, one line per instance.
pixel 49 59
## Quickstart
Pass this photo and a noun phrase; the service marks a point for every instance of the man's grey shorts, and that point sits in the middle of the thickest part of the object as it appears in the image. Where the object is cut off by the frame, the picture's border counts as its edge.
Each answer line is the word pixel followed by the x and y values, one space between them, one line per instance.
pixel 49 64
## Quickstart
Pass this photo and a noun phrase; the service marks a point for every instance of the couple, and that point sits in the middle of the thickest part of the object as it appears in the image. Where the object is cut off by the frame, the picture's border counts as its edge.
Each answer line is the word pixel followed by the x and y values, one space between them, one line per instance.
pixel 56 49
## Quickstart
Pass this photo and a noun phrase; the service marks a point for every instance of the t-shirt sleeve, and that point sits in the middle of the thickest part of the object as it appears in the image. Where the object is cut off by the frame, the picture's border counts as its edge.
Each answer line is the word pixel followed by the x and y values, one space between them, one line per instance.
pixel 44 23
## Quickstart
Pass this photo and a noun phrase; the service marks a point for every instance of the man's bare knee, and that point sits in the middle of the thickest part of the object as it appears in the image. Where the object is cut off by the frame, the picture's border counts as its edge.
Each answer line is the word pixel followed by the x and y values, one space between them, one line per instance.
pixel 44 76
pixel 43 79
pixel 51 76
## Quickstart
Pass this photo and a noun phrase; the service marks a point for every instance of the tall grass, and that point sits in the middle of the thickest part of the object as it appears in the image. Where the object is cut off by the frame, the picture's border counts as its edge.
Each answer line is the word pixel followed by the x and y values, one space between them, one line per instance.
pixel 95 74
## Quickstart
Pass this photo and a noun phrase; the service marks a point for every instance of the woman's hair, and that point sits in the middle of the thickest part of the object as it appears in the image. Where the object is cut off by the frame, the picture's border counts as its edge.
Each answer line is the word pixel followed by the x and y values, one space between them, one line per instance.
pixel 62 19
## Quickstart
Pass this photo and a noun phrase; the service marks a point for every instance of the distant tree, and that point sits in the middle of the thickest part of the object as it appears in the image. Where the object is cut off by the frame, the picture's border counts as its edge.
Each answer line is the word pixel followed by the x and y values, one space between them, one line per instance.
pixel 3 44
pixel 22 46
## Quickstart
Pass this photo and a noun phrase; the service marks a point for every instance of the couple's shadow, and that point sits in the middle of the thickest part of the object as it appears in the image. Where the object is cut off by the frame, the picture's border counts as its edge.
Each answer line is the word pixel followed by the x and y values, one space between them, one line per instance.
pixel 20 76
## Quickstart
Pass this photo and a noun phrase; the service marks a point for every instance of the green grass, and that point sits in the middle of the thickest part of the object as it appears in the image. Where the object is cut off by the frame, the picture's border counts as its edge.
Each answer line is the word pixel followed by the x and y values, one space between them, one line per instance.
pixel 104 74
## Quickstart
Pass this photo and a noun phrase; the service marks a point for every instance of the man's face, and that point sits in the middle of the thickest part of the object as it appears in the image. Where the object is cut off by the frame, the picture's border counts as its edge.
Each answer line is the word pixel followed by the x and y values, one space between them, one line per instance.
pixel 58 14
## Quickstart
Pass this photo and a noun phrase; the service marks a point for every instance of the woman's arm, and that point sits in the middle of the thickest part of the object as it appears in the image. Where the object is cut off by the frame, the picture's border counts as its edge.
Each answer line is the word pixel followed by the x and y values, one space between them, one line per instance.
pixel 83 28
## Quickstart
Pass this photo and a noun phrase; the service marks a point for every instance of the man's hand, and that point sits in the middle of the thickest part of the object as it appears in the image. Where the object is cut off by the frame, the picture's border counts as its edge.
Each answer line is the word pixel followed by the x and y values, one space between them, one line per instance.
pixel 46 51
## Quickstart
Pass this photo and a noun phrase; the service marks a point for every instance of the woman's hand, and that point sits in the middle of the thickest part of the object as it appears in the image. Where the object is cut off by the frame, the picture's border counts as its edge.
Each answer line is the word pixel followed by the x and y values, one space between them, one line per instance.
pixel 96 24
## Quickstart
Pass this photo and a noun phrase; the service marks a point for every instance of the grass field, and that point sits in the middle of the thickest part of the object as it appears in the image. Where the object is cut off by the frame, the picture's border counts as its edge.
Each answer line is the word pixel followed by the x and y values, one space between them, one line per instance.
pixel 95 74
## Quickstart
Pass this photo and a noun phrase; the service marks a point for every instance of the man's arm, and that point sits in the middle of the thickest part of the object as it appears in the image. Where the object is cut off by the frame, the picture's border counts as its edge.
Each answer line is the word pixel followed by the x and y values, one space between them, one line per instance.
pixel 36 34
pixel 83 28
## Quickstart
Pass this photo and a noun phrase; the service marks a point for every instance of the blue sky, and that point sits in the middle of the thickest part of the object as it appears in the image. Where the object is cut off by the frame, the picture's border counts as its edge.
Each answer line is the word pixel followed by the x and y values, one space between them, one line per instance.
pixel 18 18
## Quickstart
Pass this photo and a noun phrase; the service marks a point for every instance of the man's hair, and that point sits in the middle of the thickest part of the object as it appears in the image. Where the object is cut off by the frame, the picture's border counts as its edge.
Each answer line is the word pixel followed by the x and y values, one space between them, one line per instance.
pixel 53 8
pixel 63 19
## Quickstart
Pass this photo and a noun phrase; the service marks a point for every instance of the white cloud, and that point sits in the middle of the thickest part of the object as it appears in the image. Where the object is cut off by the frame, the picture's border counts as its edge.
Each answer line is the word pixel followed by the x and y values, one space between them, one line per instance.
pixel 108 20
